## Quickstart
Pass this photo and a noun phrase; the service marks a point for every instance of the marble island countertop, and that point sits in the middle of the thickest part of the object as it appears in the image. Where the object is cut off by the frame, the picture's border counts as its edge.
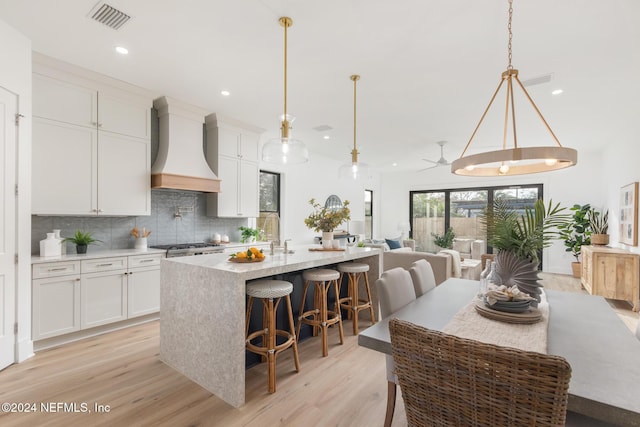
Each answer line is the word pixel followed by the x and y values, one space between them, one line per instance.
pixel 301 259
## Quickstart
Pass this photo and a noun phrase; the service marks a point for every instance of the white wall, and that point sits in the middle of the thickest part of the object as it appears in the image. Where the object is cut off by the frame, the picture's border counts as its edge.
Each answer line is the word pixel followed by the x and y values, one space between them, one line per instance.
pixel 583 183
pixel 15 75
pixel 316 179
pixel 621 165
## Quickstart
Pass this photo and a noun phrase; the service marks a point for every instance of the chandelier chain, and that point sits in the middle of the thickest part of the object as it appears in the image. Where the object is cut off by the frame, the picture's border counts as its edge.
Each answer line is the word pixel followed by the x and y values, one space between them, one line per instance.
pixel 510 67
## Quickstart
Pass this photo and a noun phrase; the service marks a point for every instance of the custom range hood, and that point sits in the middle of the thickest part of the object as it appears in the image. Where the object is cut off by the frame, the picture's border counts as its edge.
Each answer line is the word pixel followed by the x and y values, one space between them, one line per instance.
pixel 181 164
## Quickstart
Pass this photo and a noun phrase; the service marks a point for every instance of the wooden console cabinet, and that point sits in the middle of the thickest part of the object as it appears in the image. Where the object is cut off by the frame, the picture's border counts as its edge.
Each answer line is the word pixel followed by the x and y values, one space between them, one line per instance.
pixel 611 273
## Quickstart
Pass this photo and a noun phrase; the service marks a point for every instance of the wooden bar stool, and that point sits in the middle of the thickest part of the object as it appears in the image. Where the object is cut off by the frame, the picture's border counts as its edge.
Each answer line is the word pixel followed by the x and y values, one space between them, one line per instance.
pixel 267 291
pixel 320 317
pixel 352 302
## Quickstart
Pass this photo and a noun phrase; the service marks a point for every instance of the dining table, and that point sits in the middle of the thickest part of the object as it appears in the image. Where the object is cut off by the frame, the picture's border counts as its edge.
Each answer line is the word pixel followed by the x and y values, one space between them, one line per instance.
pixel 584 329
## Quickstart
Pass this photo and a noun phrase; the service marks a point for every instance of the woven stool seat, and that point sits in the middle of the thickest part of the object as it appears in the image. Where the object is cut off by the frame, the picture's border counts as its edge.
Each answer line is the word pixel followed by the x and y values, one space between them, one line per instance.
pixel 352 302
pixel 269 288
pixel 319 316
pixel 270 293
pixel 353 267
pixel 321 275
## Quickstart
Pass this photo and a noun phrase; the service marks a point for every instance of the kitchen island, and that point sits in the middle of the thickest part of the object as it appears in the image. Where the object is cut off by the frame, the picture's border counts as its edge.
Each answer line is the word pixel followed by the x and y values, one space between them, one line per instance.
pixel 202 316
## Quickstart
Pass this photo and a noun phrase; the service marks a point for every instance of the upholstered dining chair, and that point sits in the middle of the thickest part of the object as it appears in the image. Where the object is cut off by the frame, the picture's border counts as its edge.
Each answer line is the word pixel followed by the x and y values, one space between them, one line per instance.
pixel 395 290
pixel 448 380
pixel 422 277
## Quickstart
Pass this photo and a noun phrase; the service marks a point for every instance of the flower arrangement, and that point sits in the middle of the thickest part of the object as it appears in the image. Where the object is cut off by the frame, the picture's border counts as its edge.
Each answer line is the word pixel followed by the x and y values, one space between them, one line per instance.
pixel 326 219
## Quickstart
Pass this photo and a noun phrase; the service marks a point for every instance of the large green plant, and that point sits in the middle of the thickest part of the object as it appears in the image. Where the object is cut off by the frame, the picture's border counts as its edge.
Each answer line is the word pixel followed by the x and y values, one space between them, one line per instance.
pixel 446 240
pixel 576 231
pixel 526 234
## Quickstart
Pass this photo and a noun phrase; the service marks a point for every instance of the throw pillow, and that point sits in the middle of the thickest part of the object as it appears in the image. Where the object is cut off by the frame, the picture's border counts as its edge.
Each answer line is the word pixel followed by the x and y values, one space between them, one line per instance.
pixel 462 245
pixel 393 244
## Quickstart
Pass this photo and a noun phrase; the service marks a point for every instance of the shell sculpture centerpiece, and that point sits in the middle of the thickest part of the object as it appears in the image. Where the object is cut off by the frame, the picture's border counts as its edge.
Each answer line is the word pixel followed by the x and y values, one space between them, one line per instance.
pixel 513 271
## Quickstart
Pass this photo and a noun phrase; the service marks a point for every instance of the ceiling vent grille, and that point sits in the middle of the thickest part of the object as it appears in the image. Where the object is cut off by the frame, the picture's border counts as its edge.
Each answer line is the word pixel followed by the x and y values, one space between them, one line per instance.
pixel 109 16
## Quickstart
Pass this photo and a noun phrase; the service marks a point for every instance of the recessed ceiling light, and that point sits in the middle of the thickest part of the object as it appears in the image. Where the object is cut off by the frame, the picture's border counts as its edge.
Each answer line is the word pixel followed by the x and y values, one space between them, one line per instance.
pixel 394 164
pixel 556 92
pixel 326 137
pixel 122 50
pixel 225 93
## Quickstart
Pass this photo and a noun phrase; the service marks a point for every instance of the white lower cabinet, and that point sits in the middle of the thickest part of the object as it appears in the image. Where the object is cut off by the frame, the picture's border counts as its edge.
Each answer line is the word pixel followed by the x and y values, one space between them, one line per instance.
pixel 56 306
pixel 143 285
pixel 68 296
pixel 103 298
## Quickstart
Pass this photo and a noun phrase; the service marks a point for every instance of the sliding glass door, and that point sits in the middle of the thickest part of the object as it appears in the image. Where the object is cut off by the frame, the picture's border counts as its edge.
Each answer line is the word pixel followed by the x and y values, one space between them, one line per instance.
pixel 433 212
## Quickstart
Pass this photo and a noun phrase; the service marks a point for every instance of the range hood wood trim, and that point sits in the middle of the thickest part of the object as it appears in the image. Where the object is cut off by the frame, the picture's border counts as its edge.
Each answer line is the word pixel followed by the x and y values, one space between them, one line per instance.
pixel 180 182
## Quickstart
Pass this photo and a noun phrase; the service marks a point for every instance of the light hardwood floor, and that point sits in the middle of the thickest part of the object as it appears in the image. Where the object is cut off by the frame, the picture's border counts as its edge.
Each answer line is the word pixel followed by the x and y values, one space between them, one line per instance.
pixel 122 369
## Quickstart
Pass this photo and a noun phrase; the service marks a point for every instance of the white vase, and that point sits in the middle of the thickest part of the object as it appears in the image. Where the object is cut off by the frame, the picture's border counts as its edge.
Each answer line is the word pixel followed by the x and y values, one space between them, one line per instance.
pixel 50 246
pixel 141 243
pixel 327 239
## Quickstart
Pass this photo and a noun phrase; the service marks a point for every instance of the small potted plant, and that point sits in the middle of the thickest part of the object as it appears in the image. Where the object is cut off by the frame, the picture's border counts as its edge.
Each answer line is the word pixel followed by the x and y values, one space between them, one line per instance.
pixel 81 240
pixel 446 240
pixel 599 222
pixel 249 234
pixel 576 232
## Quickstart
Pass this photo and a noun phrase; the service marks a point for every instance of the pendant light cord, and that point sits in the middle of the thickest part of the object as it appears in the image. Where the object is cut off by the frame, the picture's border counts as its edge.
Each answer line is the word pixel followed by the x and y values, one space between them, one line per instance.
pixel 354 152
pixel 510 67
pixel 286 24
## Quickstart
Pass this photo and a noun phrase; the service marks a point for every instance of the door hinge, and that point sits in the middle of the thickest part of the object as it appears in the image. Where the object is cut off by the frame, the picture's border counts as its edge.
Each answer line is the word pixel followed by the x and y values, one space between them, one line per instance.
pixel 17 192
pixel 16 259
pixel 15 328
pixel 18 116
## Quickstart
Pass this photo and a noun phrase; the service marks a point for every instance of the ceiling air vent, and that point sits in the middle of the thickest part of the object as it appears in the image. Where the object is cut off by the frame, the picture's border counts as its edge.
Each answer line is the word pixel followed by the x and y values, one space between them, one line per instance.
pixel 109 16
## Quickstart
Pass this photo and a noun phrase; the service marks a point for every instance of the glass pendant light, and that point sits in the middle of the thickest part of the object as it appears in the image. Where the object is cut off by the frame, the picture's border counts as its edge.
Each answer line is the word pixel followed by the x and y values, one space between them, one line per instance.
pixel 354 170
pixel 285 149
pixel 516 160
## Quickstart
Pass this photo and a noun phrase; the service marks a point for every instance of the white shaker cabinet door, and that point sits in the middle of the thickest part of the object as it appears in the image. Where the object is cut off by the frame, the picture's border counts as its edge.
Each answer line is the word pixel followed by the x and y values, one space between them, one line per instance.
pixel 103 298
pixel 124 116
pixel 56 306
pixel 124 175
pixel 248 190
pixel 64 169
pixel 64 102
pixel 143 290
pixel 249 146
pixel 227 198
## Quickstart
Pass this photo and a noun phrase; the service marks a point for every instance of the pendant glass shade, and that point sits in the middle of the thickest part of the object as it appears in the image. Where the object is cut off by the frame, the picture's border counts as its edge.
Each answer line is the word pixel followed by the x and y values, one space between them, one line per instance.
pixel 285 150
pixel 516 160
pixel 354 170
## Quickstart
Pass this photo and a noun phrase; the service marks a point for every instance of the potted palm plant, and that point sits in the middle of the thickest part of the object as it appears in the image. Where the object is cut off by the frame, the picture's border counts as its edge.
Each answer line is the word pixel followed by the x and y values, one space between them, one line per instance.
pixel 599 223
pixel 576 232
pixel 81 240
pixel 519 240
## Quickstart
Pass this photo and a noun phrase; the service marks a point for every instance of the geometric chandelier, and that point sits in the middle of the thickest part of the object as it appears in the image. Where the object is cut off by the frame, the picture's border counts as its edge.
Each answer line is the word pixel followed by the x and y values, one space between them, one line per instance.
pixel 516 160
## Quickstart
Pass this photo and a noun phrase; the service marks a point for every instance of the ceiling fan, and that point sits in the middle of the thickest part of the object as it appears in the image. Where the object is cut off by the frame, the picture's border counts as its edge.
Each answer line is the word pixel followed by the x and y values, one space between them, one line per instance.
pixel 441 161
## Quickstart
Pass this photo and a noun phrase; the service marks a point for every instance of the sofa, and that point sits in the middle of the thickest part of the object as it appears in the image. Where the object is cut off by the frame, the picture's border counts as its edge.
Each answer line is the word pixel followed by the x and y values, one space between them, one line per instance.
pixel 469 248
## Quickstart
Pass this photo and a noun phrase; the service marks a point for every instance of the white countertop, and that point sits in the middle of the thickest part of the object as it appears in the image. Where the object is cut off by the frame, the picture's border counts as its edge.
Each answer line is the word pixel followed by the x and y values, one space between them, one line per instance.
pixel 302 258
pixel 94 253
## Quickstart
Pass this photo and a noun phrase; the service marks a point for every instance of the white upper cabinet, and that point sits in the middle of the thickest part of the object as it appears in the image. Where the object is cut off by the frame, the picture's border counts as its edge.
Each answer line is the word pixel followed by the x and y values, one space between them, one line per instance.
pixel 232 153
pixel 91 148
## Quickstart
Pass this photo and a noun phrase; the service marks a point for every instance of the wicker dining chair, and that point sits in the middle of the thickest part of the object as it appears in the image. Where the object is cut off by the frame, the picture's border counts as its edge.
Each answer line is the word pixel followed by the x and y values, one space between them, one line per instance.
pixel 450 381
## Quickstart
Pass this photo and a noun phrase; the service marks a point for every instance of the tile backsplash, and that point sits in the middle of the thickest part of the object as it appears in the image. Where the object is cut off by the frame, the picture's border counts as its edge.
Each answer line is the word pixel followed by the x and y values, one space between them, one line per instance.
pixel 166 228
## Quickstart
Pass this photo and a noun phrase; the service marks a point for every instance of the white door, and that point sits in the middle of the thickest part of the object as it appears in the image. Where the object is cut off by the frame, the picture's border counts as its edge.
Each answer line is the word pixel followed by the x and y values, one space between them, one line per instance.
pixel 8 111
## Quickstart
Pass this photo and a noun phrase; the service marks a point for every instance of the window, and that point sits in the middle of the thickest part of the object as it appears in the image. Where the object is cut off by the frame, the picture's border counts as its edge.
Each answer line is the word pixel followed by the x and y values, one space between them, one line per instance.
pixel 269 220
pixel 368 214
pixel 460 209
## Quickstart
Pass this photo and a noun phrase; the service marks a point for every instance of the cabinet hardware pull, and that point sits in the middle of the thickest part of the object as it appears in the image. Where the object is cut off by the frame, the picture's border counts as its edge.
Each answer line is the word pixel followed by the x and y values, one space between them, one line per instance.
pixel 78 279
pixel 58 269
pixel 104 265
pixel 100 210
pixel 146 260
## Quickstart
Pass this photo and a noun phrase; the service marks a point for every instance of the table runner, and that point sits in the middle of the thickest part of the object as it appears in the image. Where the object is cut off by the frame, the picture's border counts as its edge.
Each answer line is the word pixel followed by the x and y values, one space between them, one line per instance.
pixel 467 323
